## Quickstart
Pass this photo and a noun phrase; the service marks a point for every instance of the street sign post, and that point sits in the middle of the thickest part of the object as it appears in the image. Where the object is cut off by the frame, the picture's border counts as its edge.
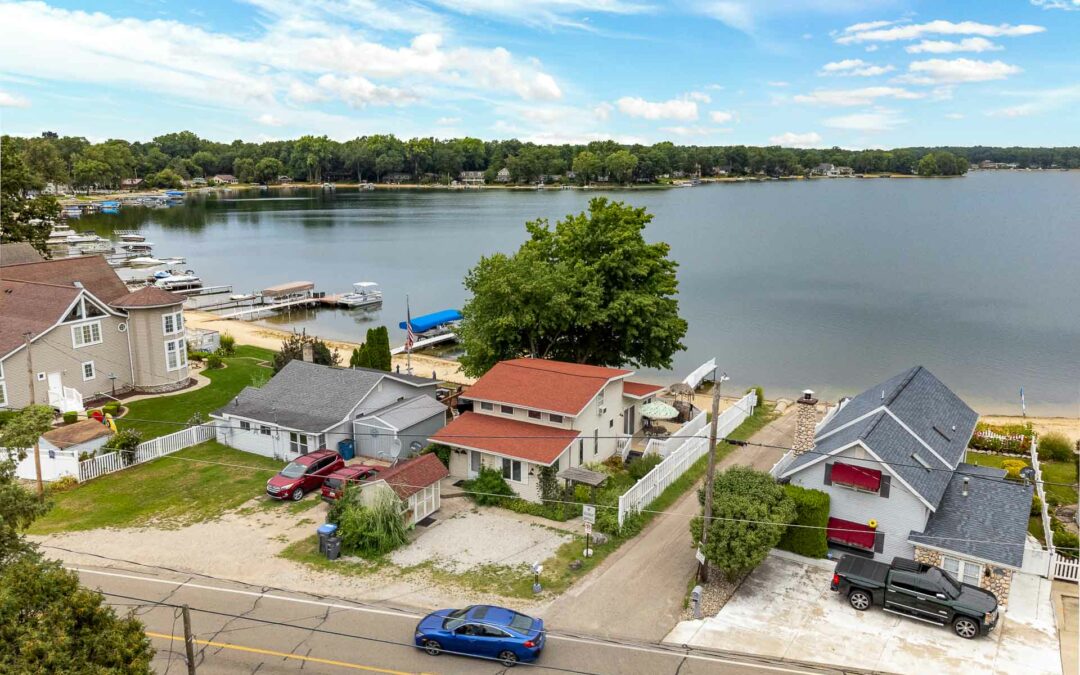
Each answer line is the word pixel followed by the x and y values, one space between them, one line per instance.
pixel 588 515
pixel 700 556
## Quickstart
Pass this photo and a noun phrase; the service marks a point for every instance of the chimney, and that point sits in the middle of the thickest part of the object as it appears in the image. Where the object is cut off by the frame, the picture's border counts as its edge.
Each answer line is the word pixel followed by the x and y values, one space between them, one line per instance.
pixel 805 421
pixel 308 352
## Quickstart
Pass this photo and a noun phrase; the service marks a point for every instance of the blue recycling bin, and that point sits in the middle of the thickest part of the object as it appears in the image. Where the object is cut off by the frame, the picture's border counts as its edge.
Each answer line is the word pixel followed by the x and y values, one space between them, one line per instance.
pixel 326 530
pixel 347 449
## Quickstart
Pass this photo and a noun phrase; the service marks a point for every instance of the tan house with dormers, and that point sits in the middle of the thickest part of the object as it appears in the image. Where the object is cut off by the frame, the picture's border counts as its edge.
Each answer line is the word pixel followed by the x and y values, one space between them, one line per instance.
pixel 74 329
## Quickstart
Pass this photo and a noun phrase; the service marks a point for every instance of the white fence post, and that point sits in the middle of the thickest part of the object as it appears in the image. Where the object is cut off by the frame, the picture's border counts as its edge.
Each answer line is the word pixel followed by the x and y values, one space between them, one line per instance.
pixel 149 450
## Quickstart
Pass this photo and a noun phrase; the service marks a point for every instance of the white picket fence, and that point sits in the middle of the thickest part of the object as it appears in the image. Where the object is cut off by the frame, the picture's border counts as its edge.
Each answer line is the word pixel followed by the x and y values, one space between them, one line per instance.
pixel 680 451
pixel 1061 567
pixel 1066 569
pixel 152 449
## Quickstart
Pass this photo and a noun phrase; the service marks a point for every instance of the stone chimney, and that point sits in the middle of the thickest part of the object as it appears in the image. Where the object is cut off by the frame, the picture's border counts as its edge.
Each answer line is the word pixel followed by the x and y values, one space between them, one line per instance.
pixel 308 352
pixel 805 421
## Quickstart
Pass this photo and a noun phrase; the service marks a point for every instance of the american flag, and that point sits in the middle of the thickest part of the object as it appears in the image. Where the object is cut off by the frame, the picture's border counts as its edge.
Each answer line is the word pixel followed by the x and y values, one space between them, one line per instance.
pixel 410 337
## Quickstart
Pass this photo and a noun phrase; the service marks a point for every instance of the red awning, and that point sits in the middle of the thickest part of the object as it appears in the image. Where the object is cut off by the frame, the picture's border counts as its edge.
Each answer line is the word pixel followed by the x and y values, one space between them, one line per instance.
pixel 851 533
pixel 856 476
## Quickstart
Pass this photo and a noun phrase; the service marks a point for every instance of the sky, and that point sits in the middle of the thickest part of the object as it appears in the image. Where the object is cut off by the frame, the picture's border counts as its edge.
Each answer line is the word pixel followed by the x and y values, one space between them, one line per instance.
pixel 798 73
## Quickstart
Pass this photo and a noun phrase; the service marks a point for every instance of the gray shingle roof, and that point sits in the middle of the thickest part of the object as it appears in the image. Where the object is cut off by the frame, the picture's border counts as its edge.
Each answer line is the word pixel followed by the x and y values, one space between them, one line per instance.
pixel 989 523
pixel 404 414
pixel 310 397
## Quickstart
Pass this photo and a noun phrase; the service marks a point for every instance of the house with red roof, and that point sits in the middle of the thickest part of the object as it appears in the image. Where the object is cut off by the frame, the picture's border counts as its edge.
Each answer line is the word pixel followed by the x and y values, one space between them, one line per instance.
pixel 528 414
pixel 415 482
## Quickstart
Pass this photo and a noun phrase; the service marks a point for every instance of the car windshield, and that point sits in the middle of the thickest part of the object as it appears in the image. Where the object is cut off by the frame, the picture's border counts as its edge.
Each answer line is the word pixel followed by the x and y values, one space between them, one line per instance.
pixel 294 470
pixel 455 618
pixel 333 482
pixel 521 623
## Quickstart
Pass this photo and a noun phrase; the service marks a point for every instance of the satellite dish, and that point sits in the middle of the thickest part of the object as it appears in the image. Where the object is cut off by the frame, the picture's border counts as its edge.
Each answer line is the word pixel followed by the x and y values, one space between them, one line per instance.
pixel 396 445
pixel 1027 473
pixel 416 446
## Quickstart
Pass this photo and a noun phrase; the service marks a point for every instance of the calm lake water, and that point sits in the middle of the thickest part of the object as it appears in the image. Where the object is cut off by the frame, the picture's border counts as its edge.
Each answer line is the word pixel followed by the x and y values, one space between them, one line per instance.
pixel 831 285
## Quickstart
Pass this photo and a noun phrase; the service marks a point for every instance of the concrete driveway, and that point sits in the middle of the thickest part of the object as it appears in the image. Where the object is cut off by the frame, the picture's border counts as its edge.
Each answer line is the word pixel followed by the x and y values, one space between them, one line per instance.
pixel 785 609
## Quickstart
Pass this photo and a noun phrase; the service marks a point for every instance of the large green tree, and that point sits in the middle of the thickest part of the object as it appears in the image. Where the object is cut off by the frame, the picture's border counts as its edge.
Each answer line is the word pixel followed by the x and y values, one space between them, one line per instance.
pixel 589 290
pixel 25 214
pixel 587 166
pixel 621 165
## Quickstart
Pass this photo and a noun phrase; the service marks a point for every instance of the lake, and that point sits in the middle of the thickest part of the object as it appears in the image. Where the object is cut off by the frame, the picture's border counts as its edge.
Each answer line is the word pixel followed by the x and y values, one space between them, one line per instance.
pixel 831 285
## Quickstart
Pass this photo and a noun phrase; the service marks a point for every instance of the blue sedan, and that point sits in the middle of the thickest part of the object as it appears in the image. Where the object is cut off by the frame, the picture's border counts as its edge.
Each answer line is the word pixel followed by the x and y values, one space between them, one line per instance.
pixel 488 632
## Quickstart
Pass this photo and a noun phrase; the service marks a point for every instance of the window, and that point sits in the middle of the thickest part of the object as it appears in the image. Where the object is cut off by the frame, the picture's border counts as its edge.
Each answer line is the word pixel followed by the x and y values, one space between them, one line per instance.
pixel 88 372
pixel 86 334
pixel 581 452
pixel 175 354
pixel 506 409
pixel 83 310
pixel 858 478
pixel 3 394
pixel 484 405
pixel 964 570
pixel 595 441
pixel 511 469
pixel 534 414
pixel 245 426
pixel 298 443
pixel 264 430
pixel 557 419
pixel 322 442
pixel 172 323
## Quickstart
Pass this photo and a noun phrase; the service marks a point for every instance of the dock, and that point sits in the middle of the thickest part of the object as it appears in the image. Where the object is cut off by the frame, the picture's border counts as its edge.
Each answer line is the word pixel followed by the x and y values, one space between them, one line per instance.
pixel 426 342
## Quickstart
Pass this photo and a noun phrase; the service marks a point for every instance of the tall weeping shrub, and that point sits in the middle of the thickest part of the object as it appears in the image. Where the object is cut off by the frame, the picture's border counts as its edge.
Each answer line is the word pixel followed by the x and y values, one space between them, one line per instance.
pixel 812 512
pixel 370 530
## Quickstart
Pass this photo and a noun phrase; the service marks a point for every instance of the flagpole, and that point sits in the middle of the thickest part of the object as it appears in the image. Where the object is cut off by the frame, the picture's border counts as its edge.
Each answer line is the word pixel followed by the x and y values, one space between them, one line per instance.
pixel 408 336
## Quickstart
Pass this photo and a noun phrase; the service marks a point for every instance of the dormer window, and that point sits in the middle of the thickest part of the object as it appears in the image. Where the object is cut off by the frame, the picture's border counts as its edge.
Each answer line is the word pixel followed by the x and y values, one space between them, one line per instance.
pixel 506 409
pixel 534 414
pixel 83 310
pixel 484 405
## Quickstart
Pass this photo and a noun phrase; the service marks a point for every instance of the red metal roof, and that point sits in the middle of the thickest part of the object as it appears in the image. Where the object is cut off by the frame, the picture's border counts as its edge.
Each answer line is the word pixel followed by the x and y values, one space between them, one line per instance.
pixel 639 389
pixel 408 478
pixel 512 438
pixel 555 386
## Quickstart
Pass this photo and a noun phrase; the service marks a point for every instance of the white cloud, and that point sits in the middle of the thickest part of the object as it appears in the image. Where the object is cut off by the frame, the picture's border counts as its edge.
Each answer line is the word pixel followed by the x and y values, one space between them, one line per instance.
pixel 1067 5
pixel 853 97
pixel 954 116
pixel 1040 101
pixel 602 111
pixel 448 121
pixel 558 13
pixel 8 100
pixel 778 83
pixel 914 31
pixel 976 44
pixel 721 116
pixel 749 16
pixel 714 87
pixel 854 68
pixel 359 92
pixel 872 48
pixel 867 25
pixel 269 120
pixel 699 96
pixel 675 109
pixel 875 121
pixel 942 71
pixel 791 139
pixel 693 131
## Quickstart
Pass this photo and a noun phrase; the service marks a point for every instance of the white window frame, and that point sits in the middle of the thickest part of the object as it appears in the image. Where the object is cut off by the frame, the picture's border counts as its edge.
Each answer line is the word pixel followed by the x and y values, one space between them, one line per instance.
pixel 264 430
pixel 513 463
pixel 93 371
pixel 180 351
pixel 557 419
pixel 245 425
pixel 963 568
pixel 298 443
pixel 506 409
pixel 3 394
pixel 177 321
pixel 485 405
pixel 1 370
pixel 77 331
pixel 535 415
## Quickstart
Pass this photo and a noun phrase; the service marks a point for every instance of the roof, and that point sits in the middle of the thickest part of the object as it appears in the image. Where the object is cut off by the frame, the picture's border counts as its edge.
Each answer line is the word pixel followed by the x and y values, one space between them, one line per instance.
pixel 503 436
pixel 990 523
pixel 77 433
pixel 17 253
pixel 408 478
pixel 91 271
pixel 579 474
pixel 310 397
pixel 149 296
pixel 290 287
pixel 429 321
pixel 404 414
pixel 891 419
pixel 554 386
pixel 639 389
pixel 30 308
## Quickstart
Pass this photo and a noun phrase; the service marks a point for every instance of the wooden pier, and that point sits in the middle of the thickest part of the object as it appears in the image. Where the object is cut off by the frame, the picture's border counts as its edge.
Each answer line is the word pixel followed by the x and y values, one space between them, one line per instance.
pixel 427 342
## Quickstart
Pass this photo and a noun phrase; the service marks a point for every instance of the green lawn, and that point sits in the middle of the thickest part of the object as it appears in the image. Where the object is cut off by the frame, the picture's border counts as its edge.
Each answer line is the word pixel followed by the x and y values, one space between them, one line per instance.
pixel 170 491
pixel 162 415
pixel 1059 477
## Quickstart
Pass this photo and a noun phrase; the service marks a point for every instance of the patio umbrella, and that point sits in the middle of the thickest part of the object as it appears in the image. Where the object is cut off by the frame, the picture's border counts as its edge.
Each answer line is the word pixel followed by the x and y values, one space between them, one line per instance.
pixel 658 410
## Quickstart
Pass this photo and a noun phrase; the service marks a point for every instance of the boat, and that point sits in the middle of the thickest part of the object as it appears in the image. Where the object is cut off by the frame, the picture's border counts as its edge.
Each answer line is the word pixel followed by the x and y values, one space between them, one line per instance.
pixel 131 236
pixel 175 260
pixel 174 193
pixel 111 206
pixel 328 186
pixel 179 282
pixel 367 186
pixel 364 294
pixel 436 323
pixel 138 247
pixel 144 261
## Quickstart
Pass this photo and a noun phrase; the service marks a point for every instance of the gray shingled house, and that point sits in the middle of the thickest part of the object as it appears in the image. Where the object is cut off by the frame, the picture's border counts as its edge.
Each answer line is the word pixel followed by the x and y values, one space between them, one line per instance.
pixel 891 460
pixel 307 406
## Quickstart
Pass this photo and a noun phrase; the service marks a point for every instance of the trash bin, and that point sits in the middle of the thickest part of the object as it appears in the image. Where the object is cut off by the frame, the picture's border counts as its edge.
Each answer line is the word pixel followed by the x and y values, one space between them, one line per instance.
pixel 325 531
pixel 333 548
pixel 347 449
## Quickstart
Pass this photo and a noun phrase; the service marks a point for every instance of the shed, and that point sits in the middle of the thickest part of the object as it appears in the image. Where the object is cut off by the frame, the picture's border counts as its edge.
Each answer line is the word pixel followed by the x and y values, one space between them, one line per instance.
pixel 416 483
pixel 85 436
pixel 400 428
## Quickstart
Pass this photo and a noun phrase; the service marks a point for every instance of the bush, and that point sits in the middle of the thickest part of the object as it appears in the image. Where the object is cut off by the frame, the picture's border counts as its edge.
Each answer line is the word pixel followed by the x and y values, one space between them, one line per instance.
pixel 126 442
pixel 1036 505
pixel 111 408
pixel 1055 447
pixel 373 530
pixel 1013 467
pixel 227 344
pixel 812 510
pixel 489 488
pixel 197 356
pixel 439 450
pixel 643 465
pixel 71 417
pixel 6 415
pixel 1064 541
pixel 760 394
pixel 64 484
pixel 213 362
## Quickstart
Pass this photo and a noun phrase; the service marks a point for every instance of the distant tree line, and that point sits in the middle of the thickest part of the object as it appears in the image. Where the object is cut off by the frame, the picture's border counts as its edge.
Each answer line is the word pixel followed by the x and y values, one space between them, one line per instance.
pixel 171 158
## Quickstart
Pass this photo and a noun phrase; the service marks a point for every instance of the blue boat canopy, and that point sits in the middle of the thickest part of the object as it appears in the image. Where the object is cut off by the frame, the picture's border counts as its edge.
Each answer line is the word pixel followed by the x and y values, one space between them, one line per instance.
pixel 426 322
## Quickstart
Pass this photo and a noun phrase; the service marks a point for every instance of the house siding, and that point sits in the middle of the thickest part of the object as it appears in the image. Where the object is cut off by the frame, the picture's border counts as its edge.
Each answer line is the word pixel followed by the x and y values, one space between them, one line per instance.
pixel 148 338
pixel 275 445
pixel 897 515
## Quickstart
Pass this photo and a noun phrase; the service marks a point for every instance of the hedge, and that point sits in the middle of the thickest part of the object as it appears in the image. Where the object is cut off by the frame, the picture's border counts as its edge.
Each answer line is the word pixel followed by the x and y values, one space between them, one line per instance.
pixel 812 509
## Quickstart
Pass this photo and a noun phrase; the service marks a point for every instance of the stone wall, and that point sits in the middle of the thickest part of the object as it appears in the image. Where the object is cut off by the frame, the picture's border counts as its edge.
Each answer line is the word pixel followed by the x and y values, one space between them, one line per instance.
pixel 928 556
pixel 805 421
pixel 998 581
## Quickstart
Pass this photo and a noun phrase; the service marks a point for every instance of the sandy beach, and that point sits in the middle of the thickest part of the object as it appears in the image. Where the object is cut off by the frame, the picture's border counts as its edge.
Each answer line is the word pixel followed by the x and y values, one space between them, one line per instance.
pixel 271 338
pixel 1068 426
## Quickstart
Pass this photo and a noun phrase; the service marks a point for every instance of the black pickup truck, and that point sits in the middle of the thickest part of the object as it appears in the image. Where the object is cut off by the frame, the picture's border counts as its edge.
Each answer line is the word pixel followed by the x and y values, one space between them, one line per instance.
pixel 916 590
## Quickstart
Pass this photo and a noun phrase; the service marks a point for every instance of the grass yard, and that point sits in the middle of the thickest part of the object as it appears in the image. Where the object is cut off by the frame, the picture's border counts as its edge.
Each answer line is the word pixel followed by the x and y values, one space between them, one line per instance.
pixel 1059 477
pixel 171 491
pixel 162 415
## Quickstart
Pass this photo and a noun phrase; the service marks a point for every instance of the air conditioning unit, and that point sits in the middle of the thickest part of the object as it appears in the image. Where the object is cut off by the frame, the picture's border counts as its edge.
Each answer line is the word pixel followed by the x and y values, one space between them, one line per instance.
pixel 601 410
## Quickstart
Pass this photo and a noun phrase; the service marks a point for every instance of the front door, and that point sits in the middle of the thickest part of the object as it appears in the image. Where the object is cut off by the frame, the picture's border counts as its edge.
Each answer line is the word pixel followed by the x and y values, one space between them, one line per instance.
pixel 56 383
pixel 628 421
pixel 474 464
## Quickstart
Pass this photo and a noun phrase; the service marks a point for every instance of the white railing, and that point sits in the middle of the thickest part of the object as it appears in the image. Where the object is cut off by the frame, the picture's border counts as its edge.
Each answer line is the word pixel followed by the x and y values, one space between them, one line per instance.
pixel 1066 569
pixel 152 449
pixel 624 447
pixel 683 449
pixel 1048 532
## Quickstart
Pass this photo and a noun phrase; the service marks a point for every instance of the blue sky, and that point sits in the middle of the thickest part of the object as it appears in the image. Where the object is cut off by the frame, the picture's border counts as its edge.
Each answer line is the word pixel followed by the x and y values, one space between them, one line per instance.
pixel 802 73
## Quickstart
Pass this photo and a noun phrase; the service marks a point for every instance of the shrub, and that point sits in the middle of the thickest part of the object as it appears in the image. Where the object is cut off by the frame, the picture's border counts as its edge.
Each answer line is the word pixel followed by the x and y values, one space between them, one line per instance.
pixel 64 484
pixel 812 510
pixel 760 394
pixel 111 408
pixel 71 417
pixel 6 415
pixel 489 488
pixel 1012 468
pixel 439 450
pixel 1064 541
pixel 1036 505
pixel 214 362
pixel 643 465
pixel 126 441
pixel 197 356
pixel 372 530
pixel 227 344
pixel 1055 447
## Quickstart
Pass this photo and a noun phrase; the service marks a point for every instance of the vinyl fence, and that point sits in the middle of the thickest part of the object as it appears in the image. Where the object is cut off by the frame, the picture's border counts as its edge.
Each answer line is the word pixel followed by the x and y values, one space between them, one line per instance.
pixel 680 451
pixel 1061 567
pixel 152 449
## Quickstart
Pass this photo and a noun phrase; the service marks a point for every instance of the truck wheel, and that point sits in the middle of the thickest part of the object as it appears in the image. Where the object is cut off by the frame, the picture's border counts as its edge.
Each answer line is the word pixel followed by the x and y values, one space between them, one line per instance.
pixel 965 627
pixel 859 599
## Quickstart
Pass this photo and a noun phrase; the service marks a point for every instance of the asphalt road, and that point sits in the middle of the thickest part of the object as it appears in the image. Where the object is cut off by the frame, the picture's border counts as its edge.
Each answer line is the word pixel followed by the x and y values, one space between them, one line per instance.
pixel 244 629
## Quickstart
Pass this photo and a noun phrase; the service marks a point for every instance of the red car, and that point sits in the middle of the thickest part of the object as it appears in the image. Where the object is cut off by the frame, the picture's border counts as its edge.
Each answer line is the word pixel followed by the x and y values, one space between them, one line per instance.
pixel 336 482
pixel 303 475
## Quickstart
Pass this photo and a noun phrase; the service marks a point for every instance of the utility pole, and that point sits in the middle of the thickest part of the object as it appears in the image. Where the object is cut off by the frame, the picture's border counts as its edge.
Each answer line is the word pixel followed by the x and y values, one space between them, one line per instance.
pixel 189 640
pixel 33 400
pixel 703 567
